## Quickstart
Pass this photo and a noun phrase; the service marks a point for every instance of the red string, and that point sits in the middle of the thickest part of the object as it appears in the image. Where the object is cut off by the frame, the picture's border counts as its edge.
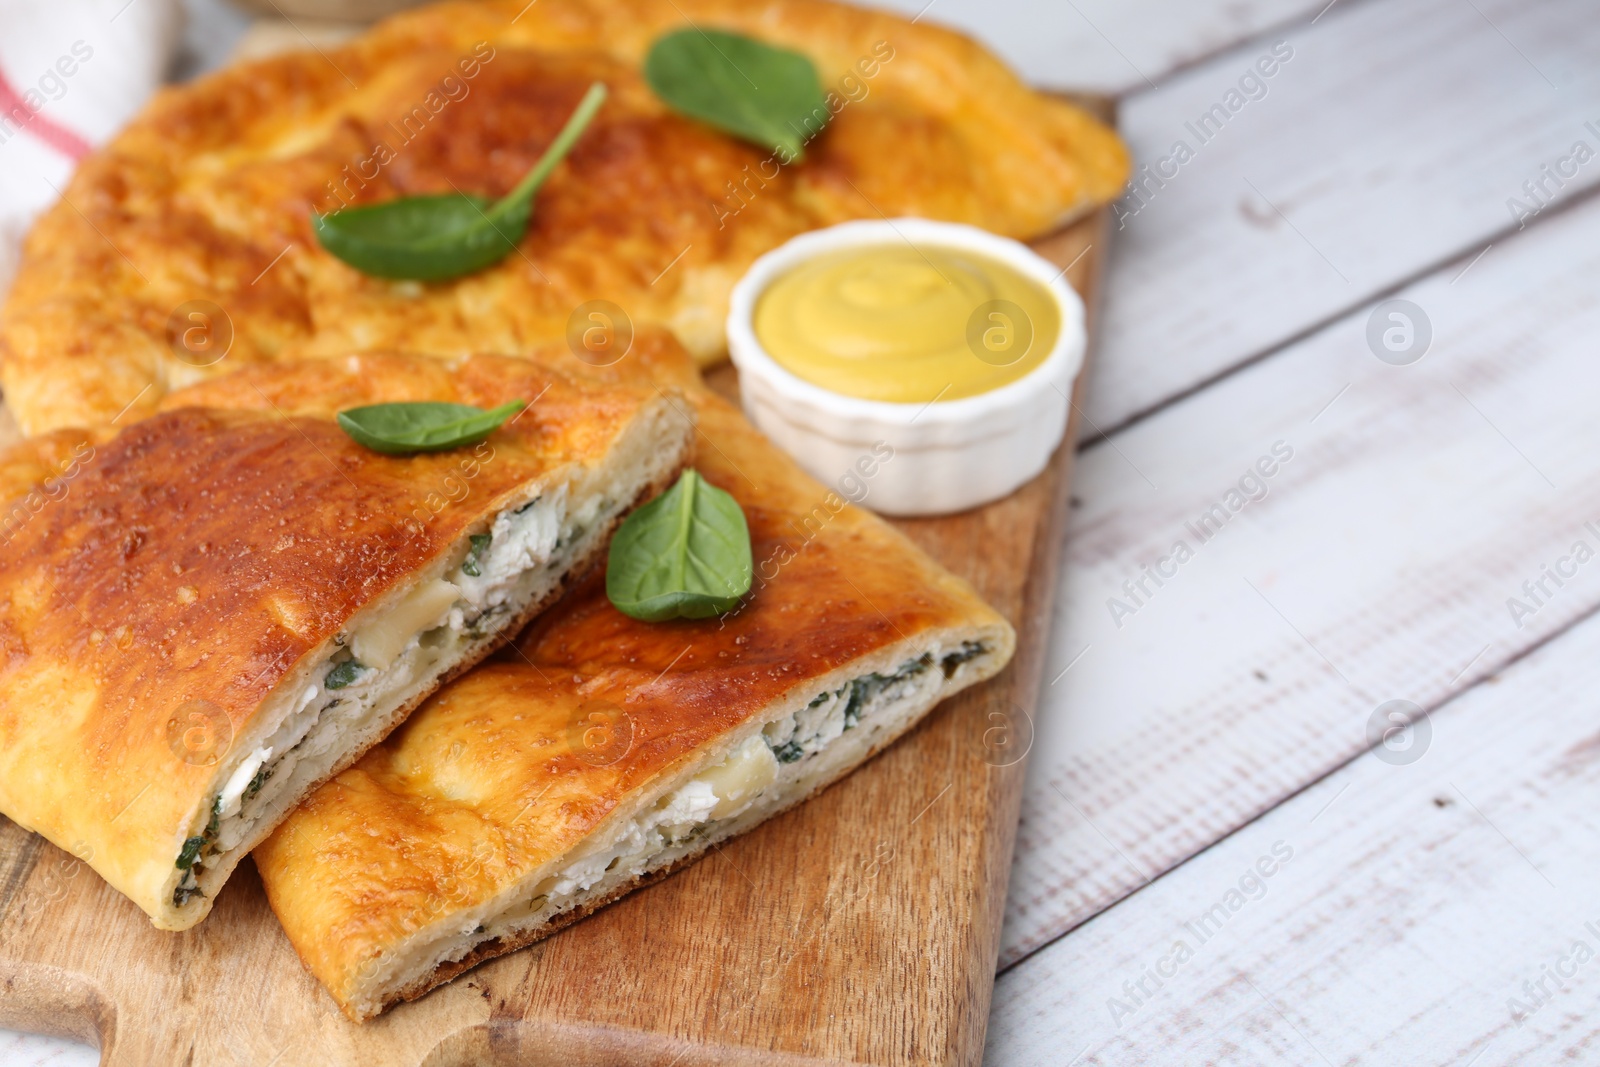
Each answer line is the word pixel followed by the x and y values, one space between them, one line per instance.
pixel 45 129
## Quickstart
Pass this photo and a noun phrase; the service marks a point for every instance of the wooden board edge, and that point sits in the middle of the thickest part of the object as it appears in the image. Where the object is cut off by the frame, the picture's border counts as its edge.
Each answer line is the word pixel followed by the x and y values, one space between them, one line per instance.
pixel 1007 784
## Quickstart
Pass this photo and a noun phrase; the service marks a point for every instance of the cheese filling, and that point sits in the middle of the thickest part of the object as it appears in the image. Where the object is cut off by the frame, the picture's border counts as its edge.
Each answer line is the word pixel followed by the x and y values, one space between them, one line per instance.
pixel 763 768
pixel 787 759
pixel 378 663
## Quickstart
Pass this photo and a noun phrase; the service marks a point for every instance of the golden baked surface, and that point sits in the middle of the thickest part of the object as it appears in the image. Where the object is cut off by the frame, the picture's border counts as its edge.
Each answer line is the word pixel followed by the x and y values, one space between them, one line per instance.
pixel 488 779
pixel 207 196
pixel 183 567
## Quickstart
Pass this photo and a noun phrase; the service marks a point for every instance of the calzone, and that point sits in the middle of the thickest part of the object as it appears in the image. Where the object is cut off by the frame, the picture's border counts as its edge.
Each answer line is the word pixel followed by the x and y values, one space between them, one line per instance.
pixel 205 614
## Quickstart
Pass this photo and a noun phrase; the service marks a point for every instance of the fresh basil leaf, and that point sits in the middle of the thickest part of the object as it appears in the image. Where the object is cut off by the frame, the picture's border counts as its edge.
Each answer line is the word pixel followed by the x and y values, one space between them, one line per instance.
pixel 430 238
pixel 686 554
pixel 426 426
pixel 770 96
pixel 422 238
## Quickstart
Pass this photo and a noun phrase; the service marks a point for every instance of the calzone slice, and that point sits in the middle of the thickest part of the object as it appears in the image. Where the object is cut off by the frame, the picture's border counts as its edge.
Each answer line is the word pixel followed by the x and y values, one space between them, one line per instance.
pixel 205 615
pixel 607 751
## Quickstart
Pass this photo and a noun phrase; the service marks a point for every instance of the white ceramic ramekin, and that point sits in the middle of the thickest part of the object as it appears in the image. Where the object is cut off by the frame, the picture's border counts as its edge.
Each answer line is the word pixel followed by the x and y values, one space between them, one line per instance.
pixel 947 455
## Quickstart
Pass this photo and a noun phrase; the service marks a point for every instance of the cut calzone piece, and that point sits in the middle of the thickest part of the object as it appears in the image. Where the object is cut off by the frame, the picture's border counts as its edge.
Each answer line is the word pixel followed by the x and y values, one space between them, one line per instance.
pixel 607 751
pixel 205 615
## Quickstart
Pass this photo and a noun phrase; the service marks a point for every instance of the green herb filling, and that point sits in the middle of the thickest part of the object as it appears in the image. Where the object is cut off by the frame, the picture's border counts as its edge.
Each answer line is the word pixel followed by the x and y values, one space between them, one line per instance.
pixel 789 752
pixel 469 566
pixel 969 650
pixel 859 692
pixel 343 674
pixel 256 783
pixel 189 855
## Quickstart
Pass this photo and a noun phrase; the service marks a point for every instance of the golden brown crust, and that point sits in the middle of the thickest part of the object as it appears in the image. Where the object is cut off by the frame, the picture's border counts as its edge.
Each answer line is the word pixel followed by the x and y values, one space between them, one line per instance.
pixel 199 198
pixel 192 561
pixel 489 780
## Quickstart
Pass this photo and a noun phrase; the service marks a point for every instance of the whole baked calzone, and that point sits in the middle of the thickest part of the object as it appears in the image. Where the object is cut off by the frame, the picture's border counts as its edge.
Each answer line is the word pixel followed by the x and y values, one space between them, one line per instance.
pixel 207 613
pixel 190 233
pixel 605 751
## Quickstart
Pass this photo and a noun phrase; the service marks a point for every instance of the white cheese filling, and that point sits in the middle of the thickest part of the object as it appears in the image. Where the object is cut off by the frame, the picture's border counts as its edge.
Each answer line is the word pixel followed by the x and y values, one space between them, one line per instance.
pixel 758 774
pixel 677 819
pixel 378 661
pixel 233 792
pixel 722 792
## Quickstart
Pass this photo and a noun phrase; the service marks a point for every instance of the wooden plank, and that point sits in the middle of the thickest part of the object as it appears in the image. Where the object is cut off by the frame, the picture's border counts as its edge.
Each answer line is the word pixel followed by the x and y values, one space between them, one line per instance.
pixel 1418 900
pixel 862 927
pixel 1389 142
pixel 1378 565
pixel 1106 46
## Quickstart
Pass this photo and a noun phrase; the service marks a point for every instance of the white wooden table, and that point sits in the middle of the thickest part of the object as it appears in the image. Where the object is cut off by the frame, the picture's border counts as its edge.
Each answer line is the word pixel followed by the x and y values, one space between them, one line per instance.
pixel 1230 852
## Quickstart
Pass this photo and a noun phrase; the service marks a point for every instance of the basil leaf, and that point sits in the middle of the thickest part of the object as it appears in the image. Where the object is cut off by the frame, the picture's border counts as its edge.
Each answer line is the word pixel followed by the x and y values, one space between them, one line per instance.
pixel 686 554
pixel 430 238
pixel 422 238
pixel 770 96
pixel 426 426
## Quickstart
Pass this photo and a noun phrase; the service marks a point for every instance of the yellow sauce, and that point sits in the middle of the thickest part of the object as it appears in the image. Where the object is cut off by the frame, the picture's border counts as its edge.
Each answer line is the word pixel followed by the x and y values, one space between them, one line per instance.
pixel 907 325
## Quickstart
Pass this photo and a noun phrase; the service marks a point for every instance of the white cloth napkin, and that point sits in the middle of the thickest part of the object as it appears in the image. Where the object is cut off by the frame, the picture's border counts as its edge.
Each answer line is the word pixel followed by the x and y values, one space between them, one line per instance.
pixel 72 72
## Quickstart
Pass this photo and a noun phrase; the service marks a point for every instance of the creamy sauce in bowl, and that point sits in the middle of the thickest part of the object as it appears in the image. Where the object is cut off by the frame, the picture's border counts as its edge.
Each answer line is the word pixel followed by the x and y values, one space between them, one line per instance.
pixel 907 324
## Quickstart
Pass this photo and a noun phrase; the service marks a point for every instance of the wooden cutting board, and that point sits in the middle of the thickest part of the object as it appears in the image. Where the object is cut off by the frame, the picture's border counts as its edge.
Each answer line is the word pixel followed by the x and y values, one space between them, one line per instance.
pixel 861 927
